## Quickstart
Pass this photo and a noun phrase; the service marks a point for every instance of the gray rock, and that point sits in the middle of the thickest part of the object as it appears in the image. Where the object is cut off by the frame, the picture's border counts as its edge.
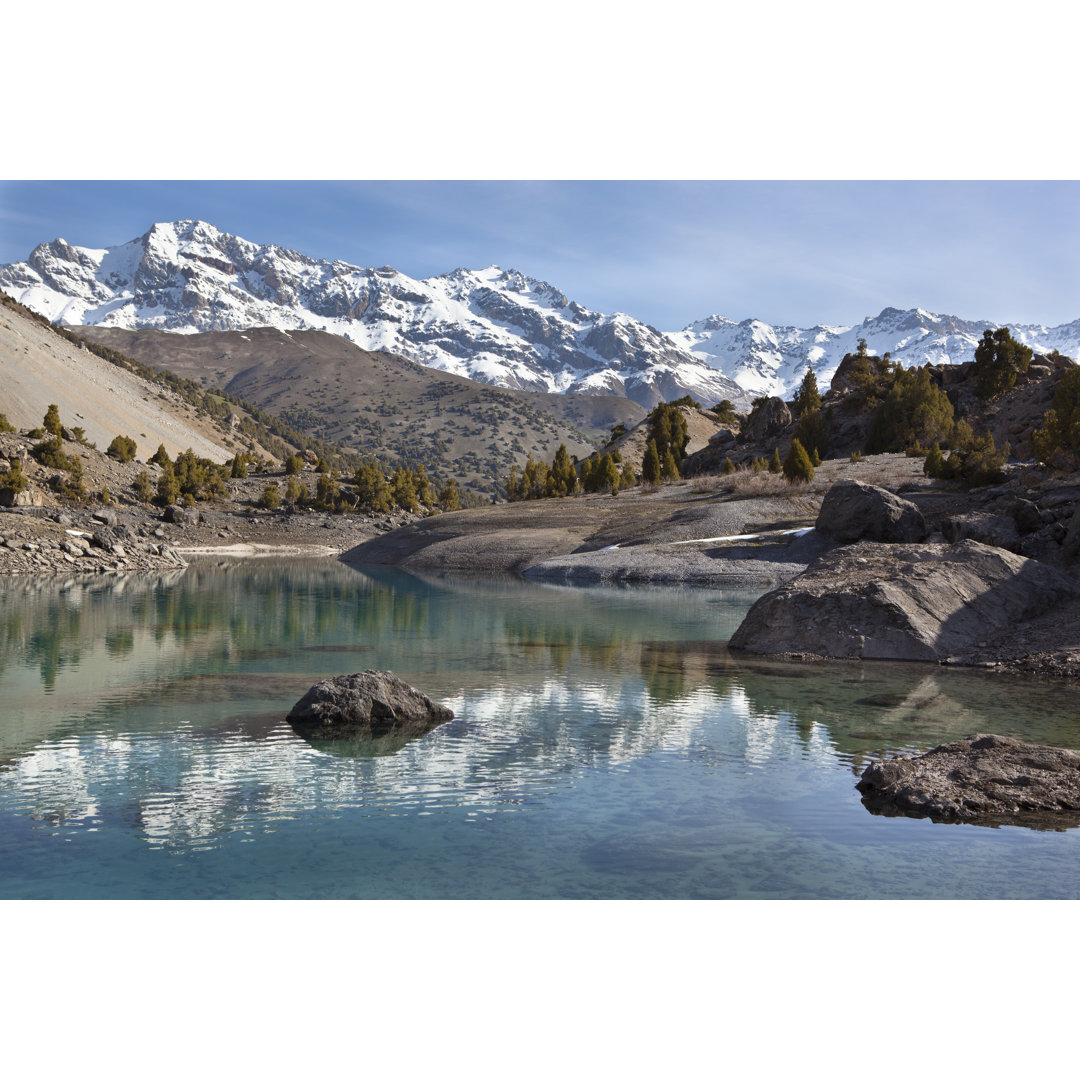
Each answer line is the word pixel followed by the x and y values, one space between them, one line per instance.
pixel 852 510
pixel 106 517
pixel 771 420
pixel 983 779
pixel 369 704
pixel 1023 511
pixel 30 496
pixel 722 440
pixel 1071 543
pixel 997 530
pixel 902 602
pixel 181 515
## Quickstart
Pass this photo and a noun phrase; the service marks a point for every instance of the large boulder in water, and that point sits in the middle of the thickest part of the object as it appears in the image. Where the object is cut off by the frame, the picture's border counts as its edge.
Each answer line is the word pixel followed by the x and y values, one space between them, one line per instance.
pixel 902 602
pixel 983 779
pixel 852 510
pixel 367 705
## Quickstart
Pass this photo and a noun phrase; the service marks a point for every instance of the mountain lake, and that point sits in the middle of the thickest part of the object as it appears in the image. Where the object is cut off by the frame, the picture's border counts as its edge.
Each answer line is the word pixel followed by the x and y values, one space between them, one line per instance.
pixel 605 745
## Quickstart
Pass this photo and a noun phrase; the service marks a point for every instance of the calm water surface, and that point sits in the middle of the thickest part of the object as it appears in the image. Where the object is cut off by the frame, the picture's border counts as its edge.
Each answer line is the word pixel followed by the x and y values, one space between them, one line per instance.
pixel 605 745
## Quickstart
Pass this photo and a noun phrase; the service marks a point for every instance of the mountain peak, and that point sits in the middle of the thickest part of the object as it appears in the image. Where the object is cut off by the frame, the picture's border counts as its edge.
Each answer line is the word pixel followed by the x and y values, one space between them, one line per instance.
pixel 494 325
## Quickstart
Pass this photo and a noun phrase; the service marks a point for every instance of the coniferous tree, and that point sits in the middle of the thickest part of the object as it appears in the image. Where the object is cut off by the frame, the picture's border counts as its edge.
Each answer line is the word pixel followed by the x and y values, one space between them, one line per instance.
pixel 168 489
pixel 51 423
pixel 371 488
pixel 14 479
pixel 807 398
pixel 425 492
pixel 667 428
pixel 143 488
pixel 448 497
pixel 650 466
pixel 607 475
pixel 122 448
pixel 669 467
pixel 586 474
pixel 563 477
pixel 403 490
pixel 999 359
pixel 797 464
pixel 914 410
pixel 1060 429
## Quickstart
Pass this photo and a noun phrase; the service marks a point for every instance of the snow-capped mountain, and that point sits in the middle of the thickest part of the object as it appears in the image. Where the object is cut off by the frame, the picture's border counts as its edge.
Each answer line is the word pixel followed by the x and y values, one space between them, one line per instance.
pixel 495 326
pixel 766 359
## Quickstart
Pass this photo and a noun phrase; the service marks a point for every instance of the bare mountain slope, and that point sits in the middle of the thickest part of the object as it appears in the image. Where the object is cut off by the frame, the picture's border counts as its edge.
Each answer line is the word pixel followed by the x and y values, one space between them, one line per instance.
pixel 378 403
pixel 39 368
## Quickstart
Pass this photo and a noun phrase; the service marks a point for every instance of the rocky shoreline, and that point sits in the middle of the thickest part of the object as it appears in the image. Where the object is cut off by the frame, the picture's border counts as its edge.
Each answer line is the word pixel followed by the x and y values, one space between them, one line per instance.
pixel 841 586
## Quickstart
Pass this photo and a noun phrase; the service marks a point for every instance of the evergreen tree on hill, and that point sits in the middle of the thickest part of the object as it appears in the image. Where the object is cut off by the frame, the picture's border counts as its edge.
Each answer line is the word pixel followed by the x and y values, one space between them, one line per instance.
pixel 650 466
pixel 999 359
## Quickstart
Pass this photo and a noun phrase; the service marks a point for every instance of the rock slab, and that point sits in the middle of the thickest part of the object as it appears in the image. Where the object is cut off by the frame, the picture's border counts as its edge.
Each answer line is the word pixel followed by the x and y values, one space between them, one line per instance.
pixel 902 602
pixel 369 704
pixel 983 779
pixel 852 510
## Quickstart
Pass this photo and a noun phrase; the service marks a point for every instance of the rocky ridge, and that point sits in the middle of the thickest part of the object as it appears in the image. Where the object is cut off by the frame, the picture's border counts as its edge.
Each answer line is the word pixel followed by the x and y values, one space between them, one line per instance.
pixel 493 326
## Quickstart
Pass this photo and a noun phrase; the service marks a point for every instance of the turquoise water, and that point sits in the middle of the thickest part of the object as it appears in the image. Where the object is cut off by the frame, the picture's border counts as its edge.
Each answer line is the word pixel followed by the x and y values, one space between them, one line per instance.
pixel 605 745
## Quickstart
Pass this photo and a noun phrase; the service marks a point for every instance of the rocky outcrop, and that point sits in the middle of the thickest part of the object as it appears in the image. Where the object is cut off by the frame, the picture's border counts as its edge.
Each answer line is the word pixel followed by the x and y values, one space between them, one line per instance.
pixel 997 530
pixel 983 779
pixel 367 705
pixel 902 602
pixel 769 420
pixel 180 515
pixel 852 510
pixel 31 543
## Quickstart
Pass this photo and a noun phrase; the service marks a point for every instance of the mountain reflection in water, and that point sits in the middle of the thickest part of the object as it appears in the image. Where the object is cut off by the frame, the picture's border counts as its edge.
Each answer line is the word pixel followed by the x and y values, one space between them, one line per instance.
pixel 154 708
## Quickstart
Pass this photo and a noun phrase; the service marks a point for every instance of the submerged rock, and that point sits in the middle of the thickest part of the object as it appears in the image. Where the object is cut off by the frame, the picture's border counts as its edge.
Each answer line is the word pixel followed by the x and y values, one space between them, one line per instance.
pixel 852 510
pixel 367 705
pixel 982 779
pixel 902 602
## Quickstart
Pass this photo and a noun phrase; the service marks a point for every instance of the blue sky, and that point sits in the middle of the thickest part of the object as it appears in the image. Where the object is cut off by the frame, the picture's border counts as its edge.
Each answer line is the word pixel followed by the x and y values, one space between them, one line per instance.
pixel 668 252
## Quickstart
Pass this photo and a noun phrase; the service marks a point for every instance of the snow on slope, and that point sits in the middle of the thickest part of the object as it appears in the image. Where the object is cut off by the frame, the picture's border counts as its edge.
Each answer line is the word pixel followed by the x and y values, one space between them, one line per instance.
pixel 493 325
pixel 765 359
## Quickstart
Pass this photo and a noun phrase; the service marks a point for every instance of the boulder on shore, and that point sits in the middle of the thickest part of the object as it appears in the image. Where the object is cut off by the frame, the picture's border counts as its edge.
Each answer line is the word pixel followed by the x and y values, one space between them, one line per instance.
pixel 852 510
pixel 983 779
pixel 367 705
pixel 902 602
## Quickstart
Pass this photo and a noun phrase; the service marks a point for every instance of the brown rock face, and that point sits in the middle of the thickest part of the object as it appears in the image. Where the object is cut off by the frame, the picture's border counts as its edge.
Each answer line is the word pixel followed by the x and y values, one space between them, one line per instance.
pixel 370 704
pixel 902 602
pixel 984 780
pixel 852 510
